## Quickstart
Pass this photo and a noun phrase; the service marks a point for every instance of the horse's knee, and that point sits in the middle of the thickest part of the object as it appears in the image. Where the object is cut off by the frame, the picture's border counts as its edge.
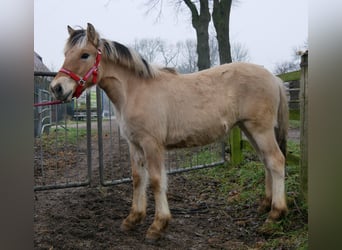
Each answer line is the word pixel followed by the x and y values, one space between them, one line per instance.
pixel 155 183
pixel 158 181
pixel 136 179
pixel 275 162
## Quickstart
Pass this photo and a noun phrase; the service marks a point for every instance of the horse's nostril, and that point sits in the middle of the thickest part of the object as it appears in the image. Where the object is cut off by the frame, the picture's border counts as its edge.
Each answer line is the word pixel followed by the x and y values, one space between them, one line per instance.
pixel 57 89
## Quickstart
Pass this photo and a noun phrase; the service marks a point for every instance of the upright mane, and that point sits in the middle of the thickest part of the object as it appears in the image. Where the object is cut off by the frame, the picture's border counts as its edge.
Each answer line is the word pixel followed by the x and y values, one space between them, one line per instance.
pixel 129 58
pixel 118 53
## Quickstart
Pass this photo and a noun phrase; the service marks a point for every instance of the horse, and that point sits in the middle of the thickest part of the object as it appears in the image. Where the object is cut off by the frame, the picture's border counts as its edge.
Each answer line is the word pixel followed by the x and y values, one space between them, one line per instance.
pixel 160 109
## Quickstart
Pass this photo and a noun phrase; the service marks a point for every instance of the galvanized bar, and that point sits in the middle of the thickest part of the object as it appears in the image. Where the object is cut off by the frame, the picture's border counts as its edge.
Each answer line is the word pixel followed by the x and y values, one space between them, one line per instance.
pixel 197 167
pixel 116 182
pixel 88 104
pixel 44 73
pixel 61 186
pixel 114 166
pixel 56 161
pixel 99 133
pixel 111 166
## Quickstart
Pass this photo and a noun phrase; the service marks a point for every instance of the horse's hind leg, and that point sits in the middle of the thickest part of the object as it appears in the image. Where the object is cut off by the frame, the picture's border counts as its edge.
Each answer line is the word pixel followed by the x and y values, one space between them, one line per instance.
pixel 265 205
pixel 140 179
pixel 154 154
pixel 269 152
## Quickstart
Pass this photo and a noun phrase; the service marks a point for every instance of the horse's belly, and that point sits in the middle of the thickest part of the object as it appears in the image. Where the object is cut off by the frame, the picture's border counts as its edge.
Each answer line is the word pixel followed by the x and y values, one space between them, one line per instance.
pixel 196 137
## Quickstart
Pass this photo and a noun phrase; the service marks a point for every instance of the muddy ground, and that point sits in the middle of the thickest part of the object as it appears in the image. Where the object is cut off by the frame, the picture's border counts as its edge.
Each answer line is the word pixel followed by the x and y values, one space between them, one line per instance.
pixel 90 218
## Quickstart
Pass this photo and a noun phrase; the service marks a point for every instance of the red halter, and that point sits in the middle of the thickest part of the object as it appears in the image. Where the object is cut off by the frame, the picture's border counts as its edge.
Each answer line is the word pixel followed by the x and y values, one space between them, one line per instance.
pixel 82 80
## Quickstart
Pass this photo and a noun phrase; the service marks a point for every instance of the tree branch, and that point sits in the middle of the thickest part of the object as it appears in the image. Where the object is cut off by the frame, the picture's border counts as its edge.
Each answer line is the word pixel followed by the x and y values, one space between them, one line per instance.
pixel 192 8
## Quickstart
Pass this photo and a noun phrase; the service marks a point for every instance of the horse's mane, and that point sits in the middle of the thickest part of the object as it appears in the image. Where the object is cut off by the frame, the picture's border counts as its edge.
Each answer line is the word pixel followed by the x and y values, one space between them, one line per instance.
pixel 119 54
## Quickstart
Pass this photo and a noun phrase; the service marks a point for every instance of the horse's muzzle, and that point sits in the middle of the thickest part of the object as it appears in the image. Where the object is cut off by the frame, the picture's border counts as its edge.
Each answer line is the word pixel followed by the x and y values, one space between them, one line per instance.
pixel 60 93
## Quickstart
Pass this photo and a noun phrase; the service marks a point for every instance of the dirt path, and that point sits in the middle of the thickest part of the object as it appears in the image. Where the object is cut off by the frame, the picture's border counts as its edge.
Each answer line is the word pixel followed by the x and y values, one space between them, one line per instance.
pixel 90 217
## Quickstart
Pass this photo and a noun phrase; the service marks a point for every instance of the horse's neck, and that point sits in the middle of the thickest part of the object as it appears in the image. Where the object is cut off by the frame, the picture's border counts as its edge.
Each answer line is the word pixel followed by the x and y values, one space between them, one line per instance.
pixel 115 83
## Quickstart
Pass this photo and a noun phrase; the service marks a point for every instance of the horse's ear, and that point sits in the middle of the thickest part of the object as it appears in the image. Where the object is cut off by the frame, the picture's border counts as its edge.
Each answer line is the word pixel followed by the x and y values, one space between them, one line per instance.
pixel 70 30
pixel 92 35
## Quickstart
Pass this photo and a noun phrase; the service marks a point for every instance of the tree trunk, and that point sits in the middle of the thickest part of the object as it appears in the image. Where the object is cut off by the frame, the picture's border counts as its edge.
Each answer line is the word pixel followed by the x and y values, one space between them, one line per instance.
pixel 221 13
pixel 201 24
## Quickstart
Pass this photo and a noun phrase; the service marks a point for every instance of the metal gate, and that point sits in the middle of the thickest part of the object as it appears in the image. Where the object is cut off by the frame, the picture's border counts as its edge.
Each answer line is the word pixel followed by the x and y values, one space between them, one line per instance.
pixel 67 137
pixel 62 144
pixel 114 163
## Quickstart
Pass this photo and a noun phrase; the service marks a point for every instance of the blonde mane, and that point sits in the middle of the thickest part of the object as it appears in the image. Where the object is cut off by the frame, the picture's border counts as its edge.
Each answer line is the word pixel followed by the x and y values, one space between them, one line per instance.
pixel 118 53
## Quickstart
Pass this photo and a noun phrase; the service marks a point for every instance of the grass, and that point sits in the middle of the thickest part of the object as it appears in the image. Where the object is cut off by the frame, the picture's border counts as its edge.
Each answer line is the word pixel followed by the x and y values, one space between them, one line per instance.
pixel 244 186
pixel 294 124
pixel 202 156
pixel 60 136
pixel 294 115
pixel 290 76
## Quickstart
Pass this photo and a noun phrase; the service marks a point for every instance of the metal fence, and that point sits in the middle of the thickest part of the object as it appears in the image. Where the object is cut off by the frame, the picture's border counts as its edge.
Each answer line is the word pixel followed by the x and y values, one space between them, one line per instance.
pixel 66 148
pixel 114 163
pixel 62 146
pixel 292 91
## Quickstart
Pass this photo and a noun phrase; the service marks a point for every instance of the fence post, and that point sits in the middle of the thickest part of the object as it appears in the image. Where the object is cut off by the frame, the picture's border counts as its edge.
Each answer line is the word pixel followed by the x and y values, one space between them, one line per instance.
pixel 235 146
pixel 303 125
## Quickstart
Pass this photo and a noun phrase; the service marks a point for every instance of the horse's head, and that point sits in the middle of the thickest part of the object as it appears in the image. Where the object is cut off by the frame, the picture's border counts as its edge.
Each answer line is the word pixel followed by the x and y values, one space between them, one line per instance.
pixel 79 70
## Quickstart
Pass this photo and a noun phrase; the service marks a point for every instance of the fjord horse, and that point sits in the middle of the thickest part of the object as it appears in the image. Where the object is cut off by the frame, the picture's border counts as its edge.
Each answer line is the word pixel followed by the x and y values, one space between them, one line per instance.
pixel 160 109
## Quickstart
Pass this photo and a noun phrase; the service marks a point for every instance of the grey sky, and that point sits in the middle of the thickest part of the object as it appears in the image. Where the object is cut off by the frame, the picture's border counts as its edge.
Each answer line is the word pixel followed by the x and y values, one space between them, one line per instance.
pixel 268 28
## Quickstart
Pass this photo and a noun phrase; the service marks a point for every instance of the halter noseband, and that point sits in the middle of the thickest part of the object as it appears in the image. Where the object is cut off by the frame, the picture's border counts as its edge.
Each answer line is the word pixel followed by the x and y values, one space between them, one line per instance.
pixel 82 80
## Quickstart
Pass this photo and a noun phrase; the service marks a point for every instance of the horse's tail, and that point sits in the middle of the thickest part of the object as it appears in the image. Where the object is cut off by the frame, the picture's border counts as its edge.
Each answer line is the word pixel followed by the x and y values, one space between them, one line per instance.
pixel 283 119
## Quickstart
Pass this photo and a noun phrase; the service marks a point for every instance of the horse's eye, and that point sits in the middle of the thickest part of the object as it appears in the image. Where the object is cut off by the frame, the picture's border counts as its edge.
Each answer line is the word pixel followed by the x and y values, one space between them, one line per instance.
pixel 85 56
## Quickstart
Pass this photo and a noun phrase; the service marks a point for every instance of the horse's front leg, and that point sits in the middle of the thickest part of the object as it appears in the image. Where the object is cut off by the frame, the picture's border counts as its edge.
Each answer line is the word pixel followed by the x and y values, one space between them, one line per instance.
pixel 154 154
pixel 140 180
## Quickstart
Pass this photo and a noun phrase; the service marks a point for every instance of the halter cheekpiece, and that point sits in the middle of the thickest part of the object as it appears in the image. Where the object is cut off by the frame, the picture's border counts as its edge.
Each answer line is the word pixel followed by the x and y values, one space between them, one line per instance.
pixel 82 80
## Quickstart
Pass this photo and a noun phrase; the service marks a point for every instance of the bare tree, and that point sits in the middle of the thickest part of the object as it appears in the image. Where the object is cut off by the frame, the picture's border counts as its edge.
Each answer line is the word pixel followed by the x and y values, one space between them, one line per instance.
pixel 294 64
pixel 200 22
pixel 221 14
pixel 298 50
pixel 169 54
pixel 189 56
pixel 284 67
pixel 239 52
pixel 200 17
pixel 214 51
pixel 148 48
pixel 159 51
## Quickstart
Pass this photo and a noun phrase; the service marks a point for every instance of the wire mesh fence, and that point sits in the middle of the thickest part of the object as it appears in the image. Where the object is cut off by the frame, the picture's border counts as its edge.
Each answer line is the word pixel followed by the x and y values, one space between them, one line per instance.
pixel 62 145
pixel 114 160
pixel 73 146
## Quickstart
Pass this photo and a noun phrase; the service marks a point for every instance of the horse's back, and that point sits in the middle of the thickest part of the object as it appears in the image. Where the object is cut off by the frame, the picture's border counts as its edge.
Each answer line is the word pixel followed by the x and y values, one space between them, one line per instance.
pixel 203 106
pixel 198 108
pixel 237 88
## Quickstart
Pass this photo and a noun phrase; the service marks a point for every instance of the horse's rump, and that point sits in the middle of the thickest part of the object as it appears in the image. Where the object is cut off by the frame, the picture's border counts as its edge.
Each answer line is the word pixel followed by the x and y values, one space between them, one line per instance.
pixel 202 107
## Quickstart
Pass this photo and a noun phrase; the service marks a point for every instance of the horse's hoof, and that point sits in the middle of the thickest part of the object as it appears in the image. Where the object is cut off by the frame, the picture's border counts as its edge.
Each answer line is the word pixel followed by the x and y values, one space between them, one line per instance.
pixel 153 236
pixel 276 214
pixel 263 209
pixel 132 220
pixel 265 206
pixel 126 226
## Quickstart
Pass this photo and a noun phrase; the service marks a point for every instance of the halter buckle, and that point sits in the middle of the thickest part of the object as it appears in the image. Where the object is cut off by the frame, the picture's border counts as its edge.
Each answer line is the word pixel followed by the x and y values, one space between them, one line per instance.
pixel 81 82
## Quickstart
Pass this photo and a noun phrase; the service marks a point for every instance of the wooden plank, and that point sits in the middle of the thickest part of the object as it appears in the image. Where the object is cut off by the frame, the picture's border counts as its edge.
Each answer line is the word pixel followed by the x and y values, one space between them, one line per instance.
pixel 304 125
pixel 235 146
